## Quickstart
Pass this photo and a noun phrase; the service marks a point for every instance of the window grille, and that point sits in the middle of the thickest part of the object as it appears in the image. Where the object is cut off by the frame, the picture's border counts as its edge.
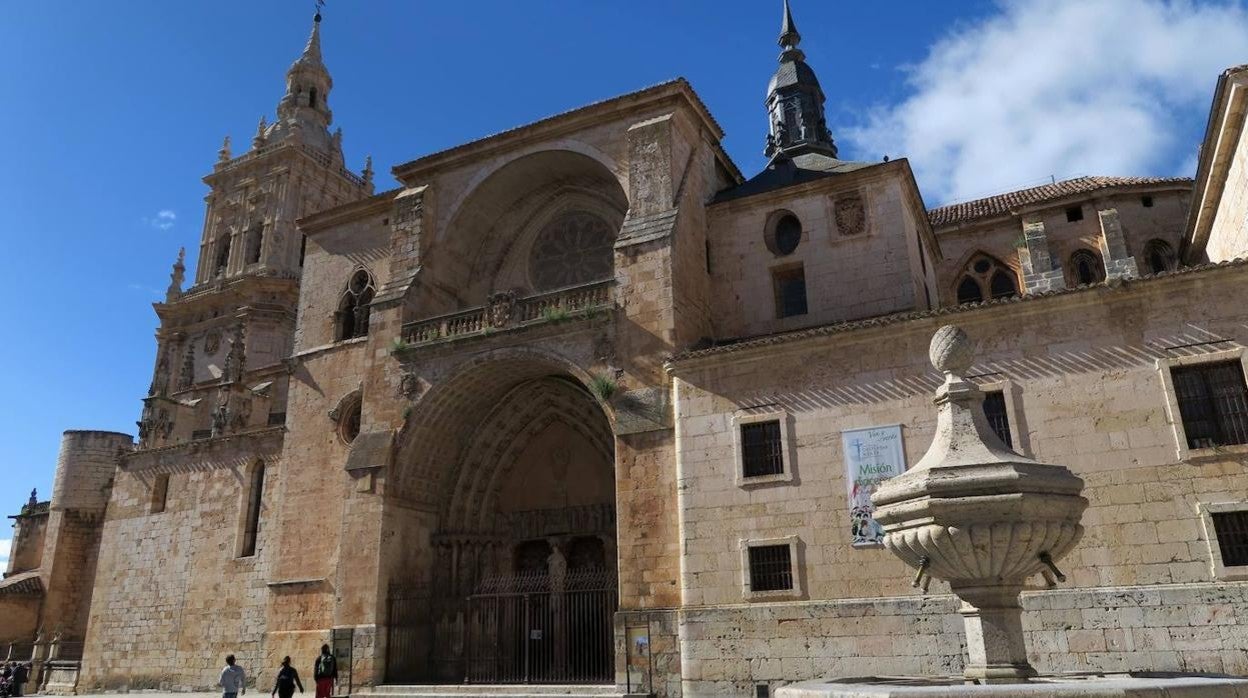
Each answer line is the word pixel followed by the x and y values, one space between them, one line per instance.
pixel 998 418
pixel 1213 403
pixel 771 568
pixel 1231 528
pixel 762 451
pixel 790 292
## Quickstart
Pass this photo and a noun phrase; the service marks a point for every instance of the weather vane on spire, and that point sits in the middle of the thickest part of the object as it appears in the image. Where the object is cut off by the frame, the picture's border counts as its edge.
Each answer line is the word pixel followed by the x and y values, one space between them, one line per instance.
pixel 319 5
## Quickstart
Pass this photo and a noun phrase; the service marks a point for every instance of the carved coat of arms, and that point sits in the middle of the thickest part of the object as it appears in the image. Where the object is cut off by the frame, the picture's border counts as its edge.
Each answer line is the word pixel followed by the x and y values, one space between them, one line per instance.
pixel 851 214
pixel 501 307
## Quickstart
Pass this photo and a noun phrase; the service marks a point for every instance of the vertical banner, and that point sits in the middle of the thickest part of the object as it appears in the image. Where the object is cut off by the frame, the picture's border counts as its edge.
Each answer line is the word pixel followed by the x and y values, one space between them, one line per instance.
pixel 872 456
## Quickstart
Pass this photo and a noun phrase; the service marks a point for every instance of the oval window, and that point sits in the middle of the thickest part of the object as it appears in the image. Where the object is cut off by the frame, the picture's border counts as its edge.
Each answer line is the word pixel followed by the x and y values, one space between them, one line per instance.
pixel 788 234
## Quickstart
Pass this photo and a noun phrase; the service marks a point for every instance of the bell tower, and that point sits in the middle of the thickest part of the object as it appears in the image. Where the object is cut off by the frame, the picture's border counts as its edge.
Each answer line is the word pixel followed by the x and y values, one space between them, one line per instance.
pixel 229 331
pixel 795 101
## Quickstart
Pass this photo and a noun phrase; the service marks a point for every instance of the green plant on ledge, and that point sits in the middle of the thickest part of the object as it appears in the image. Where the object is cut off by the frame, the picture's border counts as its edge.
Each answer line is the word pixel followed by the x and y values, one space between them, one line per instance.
pixel 603 387
pixel 399 345
pixel 554 313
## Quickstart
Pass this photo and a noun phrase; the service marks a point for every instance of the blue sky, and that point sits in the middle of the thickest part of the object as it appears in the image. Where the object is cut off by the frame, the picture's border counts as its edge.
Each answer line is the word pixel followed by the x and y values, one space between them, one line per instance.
pixel 112 113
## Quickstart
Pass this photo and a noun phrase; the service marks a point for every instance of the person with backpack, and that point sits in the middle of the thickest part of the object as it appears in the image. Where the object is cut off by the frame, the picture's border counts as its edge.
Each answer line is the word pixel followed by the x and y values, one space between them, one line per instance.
pixel 325 672
pixel 287 680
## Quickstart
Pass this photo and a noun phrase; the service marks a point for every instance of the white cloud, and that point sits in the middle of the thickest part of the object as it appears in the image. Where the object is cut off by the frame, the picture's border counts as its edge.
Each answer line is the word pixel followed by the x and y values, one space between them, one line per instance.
pixel 5 545
pixel 1059 87
pixel 163 220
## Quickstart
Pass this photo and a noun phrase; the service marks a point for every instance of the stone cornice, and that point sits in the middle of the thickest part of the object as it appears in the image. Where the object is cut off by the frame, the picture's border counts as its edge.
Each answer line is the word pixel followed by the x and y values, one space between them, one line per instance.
pixel 674 90
pixel 345 213
pixel 229 451
pixel 767 345
pixel 1222 135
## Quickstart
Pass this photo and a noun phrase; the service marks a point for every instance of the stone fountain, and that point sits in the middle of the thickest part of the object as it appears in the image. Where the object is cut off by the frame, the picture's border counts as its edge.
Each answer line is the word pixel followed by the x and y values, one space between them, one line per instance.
pixel 985 519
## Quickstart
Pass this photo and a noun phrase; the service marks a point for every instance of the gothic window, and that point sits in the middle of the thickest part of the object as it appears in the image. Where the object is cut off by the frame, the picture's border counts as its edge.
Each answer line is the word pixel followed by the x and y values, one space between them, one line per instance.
pixel 985 278
pixel 575 248
pixel 783 233
pixel 1086 267
pixel 1158 256
pixel 255 240
pixel 790 289
pixel 352 316
pixel 255 497
pixel 223 254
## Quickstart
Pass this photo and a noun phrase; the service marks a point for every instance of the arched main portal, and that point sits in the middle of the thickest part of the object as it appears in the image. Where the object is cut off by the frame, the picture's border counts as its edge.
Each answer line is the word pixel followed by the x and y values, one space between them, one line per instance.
pixel 514 561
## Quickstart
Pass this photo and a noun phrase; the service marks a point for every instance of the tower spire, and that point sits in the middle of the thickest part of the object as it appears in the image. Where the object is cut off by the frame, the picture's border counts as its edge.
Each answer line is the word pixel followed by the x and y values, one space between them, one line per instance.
pixel 789 36
pixel 795 101
pixel 303 113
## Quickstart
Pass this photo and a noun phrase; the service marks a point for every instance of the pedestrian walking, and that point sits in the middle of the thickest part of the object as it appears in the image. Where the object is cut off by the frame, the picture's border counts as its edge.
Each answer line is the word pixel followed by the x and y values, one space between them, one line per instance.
pixel 287 680
pixel 325 673
pixel 21 674
pixel 233 679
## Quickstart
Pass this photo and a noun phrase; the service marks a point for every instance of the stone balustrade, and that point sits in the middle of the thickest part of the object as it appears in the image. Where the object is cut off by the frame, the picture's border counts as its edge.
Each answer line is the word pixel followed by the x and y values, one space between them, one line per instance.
pixel 505 311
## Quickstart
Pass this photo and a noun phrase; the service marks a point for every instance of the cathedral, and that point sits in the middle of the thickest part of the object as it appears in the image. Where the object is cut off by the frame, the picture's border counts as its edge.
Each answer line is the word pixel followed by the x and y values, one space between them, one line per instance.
pixel 582 404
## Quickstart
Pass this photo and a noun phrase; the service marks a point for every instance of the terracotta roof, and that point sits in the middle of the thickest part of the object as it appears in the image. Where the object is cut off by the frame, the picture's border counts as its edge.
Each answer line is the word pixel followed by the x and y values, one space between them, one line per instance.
pixel 1002 204
pixel 747 343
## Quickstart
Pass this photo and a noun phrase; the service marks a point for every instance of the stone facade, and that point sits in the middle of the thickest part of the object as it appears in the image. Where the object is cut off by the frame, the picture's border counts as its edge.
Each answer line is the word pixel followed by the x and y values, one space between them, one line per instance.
pixel 531 362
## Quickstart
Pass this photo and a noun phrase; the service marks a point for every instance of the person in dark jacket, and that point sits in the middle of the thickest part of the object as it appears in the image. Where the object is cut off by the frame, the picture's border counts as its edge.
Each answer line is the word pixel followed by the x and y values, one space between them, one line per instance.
pixel 21 674
pixel 325 672
pixel 287 680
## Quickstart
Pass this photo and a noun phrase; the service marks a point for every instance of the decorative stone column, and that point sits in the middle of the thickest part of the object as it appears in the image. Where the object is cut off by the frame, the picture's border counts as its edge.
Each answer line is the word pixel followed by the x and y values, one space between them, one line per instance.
pixel 1118 262
pixel 1038 272
pixel 980 516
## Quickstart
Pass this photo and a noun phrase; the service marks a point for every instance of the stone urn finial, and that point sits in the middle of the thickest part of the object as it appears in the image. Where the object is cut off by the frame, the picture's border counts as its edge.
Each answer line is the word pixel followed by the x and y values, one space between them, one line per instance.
pixel 980 516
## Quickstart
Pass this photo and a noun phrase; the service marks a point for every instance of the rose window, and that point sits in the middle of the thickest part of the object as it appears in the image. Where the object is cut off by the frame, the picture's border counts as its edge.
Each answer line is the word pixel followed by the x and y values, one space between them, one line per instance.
pixel 574 249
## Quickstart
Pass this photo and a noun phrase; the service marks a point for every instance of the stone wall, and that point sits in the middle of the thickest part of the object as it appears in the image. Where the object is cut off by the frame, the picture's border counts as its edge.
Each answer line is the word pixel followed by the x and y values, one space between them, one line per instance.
pixel 730 650
pixel 172 595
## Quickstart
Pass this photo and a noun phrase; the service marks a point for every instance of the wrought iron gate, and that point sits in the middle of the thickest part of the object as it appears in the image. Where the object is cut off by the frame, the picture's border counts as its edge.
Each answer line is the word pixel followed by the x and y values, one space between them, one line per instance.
pixel 540 628
pixel 407 638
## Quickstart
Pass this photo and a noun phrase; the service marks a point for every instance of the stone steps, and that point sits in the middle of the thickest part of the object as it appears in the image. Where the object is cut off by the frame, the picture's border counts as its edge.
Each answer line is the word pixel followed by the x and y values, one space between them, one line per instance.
pixel 501 691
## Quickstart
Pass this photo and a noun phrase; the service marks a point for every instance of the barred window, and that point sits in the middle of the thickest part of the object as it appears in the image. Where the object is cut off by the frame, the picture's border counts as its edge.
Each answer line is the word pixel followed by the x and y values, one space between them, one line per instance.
pixel 790 287
pixel 1232 532
pixel 998 418
pixel 762 452
pixel 771 568
pixel 1213 403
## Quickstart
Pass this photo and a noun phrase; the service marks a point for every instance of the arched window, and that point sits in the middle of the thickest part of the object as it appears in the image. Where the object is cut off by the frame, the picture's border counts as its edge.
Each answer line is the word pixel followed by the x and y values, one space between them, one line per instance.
pixel 255 240
pixel 311 96
pixel 985 278
pixel 352 316
pixel 1158 256
pixel 575 248
pixel 223 254
pixel 1086 267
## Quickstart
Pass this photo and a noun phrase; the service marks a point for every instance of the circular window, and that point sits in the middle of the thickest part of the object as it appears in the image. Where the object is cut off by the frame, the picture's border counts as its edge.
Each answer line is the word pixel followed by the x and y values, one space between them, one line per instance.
pixel 785 234
pixel 573 249
pixel 788 234
pixel 982 266
pixel 349 422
